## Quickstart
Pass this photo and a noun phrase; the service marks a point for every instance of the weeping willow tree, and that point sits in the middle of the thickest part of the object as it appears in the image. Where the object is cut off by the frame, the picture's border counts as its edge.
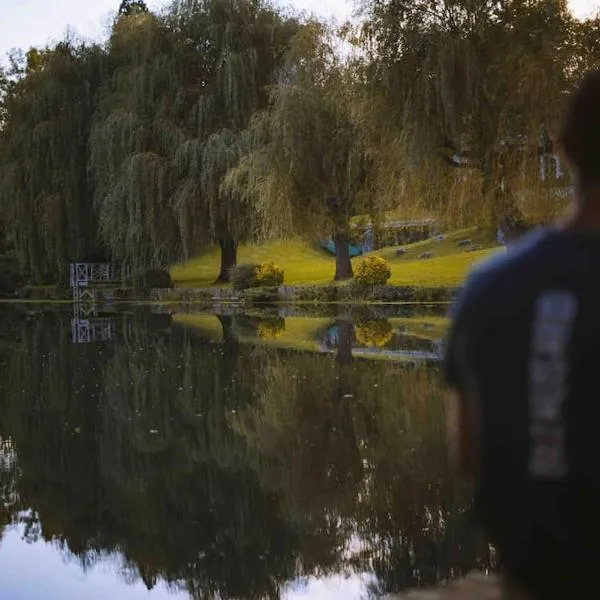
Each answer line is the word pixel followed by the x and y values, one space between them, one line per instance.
pixel 244 43
pixel 44 184
pixel 133 137
pixel 222 214
pixel 475 92
pixel 310 170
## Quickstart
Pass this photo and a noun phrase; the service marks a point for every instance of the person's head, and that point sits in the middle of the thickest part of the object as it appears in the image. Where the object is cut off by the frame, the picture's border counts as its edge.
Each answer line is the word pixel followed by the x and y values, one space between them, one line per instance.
pixel 580 136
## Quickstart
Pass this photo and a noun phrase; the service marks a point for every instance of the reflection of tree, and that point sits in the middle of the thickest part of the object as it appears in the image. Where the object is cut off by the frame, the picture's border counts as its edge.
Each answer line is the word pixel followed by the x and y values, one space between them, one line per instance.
pixel 228 470
pixel 345 335
pixel 303 424
pixel 129 450
pixel 415 509
pixel 373 461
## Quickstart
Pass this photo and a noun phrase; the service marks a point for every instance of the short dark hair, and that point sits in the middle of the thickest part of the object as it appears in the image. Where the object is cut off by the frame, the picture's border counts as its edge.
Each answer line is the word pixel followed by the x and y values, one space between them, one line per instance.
pixel 580 134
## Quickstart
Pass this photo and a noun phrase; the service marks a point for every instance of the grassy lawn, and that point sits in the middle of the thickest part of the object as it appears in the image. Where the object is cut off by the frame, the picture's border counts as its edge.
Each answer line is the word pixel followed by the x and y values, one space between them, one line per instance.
pixel 303 263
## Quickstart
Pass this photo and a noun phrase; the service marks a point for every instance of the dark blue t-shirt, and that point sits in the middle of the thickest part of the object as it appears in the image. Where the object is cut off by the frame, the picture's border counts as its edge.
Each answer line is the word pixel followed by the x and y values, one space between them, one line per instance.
pixel 524 347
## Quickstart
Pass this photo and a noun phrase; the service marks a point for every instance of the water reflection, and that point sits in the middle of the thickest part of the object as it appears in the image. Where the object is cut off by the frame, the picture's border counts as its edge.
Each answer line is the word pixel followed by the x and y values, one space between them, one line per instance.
pixel 228 469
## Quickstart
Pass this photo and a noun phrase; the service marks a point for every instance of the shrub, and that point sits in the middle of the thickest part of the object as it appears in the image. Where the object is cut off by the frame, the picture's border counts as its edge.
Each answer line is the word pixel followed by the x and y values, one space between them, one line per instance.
pixel 268 274
pixel 316 293
pixel 373 270
pixel 154 279
pixel 271 328
pixel 243 276
pixel 374 334
pixel 261 295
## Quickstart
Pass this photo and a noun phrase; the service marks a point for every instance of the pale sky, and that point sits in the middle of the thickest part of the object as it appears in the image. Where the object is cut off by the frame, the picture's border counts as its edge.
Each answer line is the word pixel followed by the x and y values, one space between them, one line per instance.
pixel 25 23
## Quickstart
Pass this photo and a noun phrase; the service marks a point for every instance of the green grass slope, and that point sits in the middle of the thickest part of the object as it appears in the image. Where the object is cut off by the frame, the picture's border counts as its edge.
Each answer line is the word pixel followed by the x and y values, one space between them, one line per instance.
pixel 305 264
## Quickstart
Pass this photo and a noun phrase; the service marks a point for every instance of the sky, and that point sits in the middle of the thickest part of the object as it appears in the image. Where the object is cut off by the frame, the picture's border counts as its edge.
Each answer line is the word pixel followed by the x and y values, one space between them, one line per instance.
pixel 25 23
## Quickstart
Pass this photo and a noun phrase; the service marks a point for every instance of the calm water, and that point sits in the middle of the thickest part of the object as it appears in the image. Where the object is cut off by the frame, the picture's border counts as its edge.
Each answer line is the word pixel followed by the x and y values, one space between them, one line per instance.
pixel 241 456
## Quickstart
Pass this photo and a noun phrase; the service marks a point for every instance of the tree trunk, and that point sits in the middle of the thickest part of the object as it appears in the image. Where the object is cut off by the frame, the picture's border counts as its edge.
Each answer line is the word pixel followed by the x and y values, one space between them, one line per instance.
pixel 228 258
pixel 345 338
pixel 505 213
pixel 343 265
pixel 226 321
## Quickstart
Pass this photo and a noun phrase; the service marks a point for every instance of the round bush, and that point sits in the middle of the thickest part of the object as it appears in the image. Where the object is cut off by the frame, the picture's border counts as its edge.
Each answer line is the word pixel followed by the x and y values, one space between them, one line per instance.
pixel 243 276
pixel 154 279
pixel 373 270
pixel 374 334
pixel 268 274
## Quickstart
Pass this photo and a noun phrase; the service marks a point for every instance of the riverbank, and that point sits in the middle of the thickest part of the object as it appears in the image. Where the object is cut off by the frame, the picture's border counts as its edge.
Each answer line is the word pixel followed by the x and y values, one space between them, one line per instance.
pixel 208 296
pixel 425 272
pixel 310 294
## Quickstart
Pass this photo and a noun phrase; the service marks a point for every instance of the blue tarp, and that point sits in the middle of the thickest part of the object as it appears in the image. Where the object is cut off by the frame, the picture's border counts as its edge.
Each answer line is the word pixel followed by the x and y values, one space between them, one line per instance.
pixel 353 250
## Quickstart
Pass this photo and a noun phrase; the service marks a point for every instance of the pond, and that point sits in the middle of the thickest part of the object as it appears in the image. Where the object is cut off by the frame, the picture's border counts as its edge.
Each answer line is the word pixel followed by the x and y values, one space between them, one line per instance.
pixel 146 454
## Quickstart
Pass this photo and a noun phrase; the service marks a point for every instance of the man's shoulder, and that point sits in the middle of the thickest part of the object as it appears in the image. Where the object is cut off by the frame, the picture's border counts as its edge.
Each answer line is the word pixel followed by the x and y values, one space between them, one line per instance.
pixel 509 268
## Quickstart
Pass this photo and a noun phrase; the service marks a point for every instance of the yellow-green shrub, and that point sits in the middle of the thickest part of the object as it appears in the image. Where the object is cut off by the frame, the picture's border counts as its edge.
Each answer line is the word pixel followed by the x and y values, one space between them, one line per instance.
pixel 373 270
pixel 268 274
pixel 374 334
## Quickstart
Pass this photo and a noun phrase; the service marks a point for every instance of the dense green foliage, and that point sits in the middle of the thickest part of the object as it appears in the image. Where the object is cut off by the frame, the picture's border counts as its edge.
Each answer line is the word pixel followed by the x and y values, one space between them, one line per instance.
pixel 479 90
pixel 220 121
pixel 45 190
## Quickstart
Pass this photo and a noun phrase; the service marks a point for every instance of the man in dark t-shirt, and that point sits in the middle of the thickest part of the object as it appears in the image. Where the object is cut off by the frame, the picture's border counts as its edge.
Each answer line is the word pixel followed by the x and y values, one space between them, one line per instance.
pixel 522 356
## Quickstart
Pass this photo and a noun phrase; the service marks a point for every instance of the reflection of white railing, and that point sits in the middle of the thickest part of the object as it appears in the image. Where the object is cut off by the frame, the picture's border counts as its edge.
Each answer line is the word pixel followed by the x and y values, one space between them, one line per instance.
pixel 85 326
pixel 8 455
pixel 86 331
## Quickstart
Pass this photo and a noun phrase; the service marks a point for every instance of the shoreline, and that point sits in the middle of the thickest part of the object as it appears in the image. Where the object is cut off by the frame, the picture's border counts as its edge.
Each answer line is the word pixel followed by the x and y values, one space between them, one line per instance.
pixel 324 294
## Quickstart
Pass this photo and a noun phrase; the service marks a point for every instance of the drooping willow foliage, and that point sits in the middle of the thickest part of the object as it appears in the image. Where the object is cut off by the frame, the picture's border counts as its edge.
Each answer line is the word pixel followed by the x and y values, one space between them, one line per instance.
pixel 246 44
pixel 44 188
pixel 171 120
pixel 133 135
pixel 478 90
pixel 310 167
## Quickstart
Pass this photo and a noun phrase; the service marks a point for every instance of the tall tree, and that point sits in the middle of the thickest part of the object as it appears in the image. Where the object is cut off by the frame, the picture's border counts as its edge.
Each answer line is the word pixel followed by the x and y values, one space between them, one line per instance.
pixel 133 135
pixel 170 124
pixel 310 169
pixel 473 84
pixel 44 184
pixel 246 43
